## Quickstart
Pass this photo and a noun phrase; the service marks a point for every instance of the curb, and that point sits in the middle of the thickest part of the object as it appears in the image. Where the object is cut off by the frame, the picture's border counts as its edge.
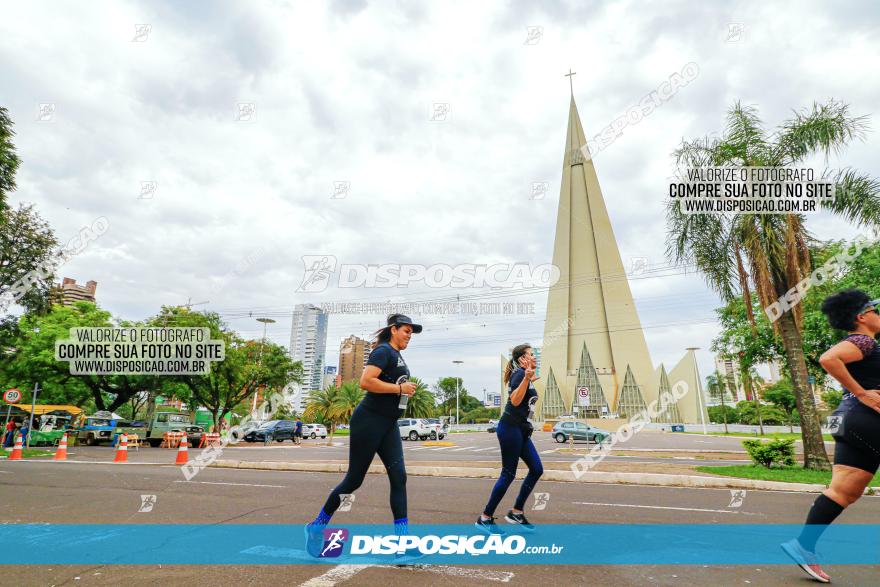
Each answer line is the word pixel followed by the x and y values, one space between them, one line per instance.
pixel 655 479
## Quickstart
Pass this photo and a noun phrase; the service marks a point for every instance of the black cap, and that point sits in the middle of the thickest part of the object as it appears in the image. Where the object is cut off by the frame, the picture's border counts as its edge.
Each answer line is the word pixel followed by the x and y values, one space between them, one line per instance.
pixel 400 319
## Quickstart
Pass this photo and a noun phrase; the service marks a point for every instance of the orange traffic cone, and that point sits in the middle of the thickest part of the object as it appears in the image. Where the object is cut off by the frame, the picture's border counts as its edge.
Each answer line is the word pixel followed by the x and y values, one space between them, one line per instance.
pixel 16 450
pixel 61 453
pixel 122 450
pixel 182 452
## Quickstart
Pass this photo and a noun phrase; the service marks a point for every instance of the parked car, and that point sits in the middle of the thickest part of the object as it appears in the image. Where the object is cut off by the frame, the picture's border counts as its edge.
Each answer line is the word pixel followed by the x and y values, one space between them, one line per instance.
pixel 277 430
pixel 237 433
pixel 436 427
pixel 314 431
pixel 562 431
pixel 414 429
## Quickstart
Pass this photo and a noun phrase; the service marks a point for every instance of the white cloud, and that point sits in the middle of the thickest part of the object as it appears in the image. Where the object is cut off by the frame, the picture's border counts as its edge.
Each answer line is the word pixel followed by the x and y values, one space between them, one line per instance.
pixel 345 95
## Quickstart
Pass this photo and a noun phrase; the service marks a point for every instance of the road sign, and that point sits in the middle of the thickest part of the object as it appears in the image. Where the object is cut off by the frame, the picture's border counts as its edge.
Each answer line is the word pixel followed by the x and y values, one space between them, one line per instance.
pixel 583 396
pixel 12 396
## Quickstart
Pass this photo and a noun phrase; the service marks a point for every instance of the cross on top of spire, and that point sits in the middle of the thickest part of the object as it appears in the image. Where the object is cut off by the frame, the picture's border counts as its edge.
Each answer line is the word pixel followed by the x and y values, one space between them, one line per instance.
pixel 570 76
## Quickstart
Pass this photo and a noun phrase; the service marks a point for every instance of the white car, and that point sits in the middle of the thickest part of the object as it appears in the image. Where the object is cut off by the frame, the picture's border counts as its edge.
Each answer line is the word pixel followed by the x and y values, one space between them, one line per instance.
pixel 314 431
pixel 436 428
pixel 414 429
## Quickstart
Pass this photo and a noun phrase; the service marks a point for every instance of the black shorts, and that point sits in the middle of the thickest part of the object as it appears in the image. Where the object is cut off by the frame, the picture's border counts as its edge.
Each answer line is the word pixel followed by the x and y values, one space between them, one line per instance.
pixel 856 431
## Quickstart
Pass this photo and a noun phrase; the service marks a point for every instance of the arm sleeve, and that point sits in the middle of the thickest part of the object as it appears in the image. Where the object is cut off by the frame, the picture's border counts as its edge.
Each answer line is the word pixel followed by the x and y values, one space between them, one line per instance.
pixel 515 379
pixel 865 343
pixel 379 357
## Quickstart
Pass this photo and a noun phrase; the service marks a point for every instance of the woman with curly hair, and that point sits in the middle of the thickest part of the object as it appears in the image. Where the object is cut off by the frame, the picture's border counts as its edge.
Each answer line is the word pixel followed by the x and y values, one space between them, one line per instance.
pixel 855 363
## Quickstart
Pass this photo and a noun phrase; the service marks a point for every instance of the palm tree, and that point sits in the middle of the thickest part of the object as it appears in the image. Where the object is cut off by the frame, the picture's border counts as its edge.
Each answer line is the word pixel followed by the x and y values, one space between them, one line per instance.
pixel 716 385
pixel 321 405
pixel 347 398
pixel 768 253
pixel 421 404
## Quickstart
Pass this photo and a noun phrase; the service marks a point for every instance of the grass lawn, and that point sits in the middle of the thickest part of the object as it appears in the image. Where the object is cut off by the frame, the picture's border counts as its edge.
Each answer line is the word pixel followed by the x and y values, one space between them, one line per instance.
pixel 771 435
pixel 29 452
pixel 789 475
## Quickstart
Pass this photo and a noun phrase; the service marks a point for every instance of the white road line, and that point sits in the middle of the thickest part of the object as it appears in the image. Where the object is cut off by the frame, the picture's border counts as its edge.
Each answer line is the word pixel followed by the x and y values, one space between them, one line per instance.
pixel 663 507
pixel 486 449
pixel 462 448
pixel 441 448
pixel 335 575
pixel 479 574
pixel 225 483
pixel 545 452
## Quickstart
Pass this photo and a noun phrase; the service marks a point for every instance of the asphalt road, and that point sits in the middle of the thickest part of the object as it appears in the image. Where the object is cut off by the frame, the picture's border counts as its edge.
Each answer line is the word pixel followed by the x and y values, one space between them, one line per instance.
pixel 474 446
pixel 49 492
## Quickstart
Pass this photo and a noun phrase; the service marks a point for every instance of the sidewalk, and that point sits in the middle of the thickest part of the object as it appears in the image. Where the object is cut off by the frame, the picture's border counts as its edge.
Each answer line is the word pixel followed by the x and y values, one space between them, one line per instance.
pixel 657 474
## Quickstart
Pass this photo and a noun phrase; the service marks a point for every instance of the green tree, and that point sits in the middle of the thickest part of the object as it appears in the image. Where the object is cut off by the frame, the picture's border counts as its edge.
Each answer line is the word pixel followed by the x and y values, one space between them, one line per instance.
pixel 769 252
pixel 9 160
pixel 27 256
pixel 321 406
pixel 347 398
pixel 249 366
pixel 719 414
pixel 832 398
pixel 445 392
pixel 421 404
pixel 717 387
pixel 31 358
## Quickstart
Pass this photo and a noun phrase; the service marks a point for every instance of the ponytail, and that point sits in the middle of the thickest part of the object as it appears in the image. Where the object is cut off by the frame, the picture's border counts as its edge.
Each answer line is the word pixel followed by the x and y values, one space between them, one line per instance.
pixel 384 334
pixel 513 363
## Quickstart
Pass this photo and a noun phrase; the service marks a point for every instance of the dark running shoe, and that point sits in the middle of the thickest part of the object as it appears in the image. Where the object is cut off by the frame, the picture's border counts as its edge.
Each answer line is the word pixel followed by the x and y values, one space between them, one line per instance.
pixel 519 520
pixel 314 539
pixel 805 560
pixel 488 526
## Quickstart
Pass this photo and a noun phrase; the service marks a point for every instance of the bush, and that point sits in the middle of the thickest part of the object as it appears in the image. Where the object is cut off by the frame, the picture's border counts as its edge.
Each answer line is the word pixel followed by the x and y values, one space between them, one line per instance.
pixel 767 453
pixel 716 414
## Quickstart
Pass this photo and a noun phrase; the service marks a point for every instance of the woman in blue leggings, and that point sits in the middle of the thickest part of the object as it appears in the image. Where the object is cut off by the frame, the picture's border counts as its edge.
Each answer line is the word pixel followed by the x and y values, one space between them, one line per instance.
pixel 514 435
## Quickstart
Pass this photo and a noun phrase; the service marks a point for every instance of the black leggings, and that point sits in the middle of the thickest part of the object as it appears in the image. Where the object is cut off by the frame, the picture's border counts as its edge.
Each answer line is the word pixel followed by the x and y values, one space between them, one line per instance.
pixel 373 434
pixel 857 436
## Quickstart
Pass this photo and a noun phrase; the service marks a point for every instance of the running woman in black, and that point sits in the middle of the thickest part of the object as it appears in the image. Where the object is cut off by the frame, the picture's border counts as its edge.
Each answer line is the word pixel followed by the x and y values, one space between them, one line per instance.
pixel 514 433
pixel 855 363
pixel 373 427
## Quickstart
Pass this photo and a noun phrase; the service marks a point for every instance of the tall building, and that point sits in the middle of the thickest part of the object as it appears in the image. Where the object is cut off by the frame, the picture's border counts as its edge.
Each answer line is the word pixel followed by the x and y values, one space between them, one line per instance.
pixel 329 376
pixel 308 339
pixel 593 337
pixel 493 400
pixel 728 369
pixel 353 355
pixel 68 292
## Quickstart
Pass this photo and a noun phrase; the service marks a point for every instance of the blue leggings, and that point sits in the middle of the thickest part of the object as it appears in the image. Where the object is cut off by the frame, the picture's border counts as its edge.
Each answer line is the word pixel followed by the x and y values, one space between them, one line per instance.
pixel 515 445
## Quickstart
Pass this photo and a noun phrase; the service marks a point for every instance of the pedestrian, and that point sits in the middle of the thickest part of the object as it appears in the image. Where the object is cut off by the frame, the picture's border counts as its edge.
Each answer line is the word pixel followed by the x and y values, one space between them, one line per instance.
pixel 9 436
pixel 298 432
pixel 514 431
pixel 373 427
pixel 855 425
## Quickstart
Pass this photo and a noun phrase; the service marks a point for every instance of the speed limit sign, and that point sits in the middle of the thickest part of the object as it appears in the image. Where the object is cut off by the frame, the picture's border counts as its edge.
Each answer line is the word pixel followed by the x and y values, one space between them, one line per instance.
pixel 12 396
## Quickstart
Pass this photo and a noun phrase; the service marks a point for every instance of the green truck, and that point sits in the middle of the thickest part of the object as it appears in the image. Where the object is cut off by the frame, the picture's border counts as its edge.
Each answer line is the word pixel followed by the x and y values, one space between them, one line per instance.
pixel 100 429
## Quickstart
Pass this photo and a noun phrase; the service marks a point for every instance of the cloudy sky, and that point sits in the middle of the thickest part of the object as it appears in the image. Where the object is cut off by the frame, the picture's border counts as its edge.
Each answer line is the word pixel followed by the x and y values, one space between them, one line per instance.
pixel 224 141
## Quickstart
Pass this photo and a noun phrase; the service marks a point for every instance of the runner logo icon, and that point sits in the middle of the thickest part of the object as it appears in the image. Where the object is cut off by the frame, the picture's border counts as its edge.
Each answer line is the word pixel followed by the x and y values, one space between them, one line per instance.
pixel 334 539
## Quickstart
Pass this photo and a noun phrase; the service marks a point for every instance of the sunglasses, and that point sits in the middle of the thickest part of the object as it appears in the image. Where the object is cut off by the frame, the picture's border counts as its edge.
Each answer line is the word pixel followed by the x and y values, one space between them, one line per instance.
pixel 865 311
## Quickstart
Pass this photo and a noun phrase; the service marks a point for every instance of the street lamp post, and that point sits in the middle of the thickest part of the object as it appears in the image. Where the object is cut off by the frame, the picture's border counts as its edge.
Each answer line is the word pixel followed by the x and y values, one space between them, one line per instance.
pixel 266 322
pixel 457 391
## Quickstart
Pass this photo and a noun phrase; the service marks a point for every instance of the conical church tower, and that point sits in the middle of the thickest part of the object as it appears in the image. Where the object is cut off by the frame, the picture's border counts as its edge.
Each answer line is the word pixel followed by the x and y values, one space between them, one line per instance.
pixel 592 335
